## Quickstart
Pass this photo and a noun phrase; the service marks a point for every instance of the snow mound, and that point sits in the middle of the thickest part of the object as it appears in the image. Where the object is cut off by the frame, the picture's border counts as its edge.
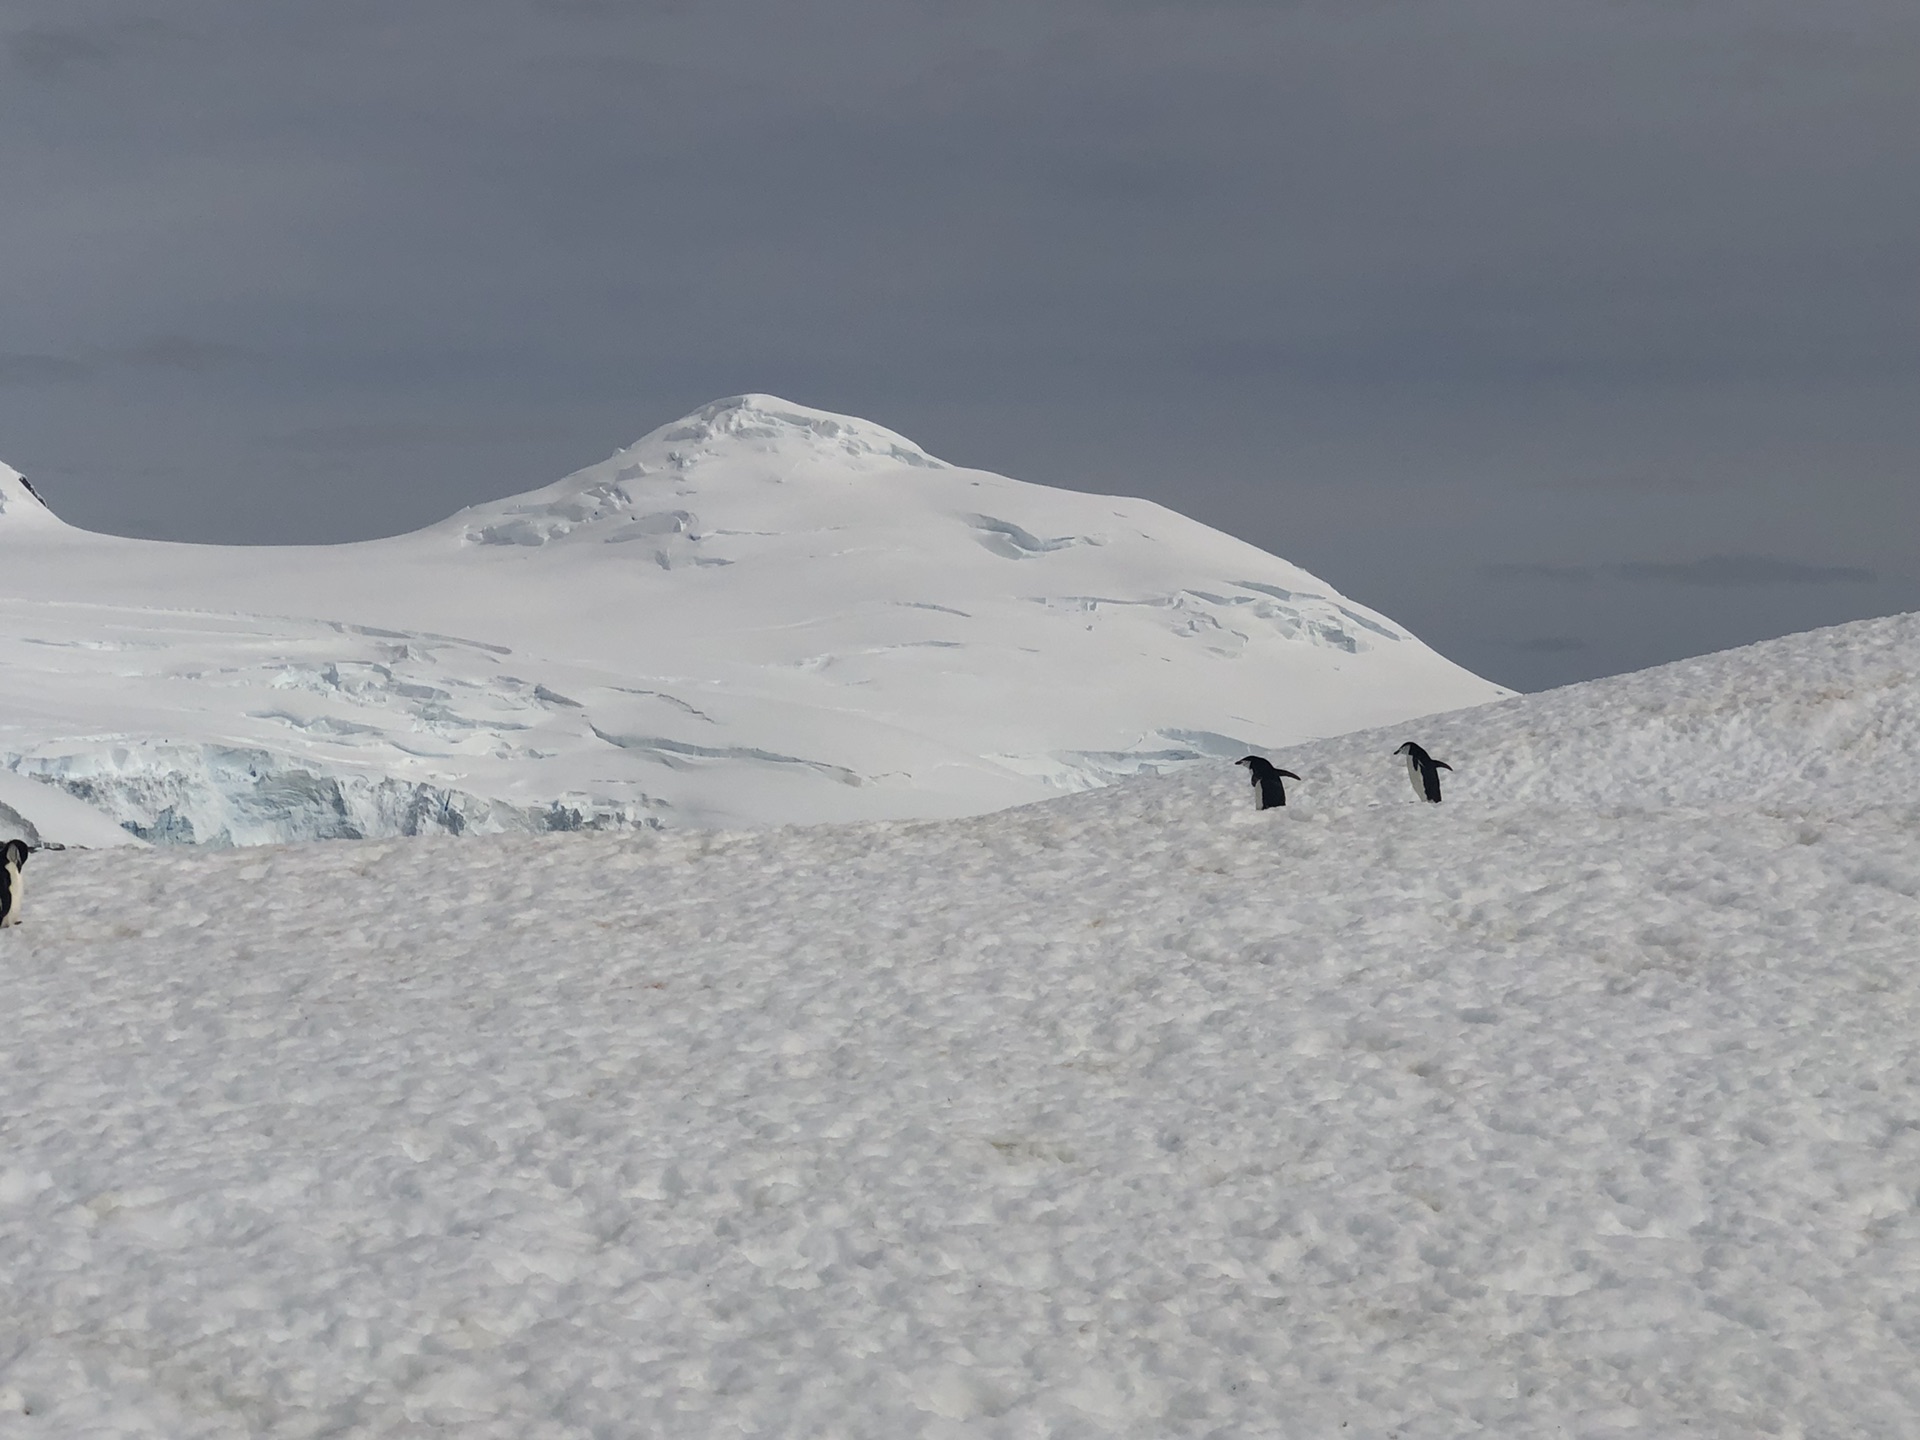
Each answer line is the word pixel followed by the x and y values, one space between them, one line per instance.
pixel 776 440
pixel 759 614
pixel 774 425
pixel 1558 1108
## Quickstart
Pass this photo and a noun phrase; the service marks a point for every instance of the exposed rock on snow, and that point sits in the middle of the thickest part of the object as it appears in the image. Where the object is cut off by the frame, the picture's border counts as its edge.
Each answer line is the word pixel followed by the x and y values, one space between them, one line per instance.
pixel 21 507
pixel 759 614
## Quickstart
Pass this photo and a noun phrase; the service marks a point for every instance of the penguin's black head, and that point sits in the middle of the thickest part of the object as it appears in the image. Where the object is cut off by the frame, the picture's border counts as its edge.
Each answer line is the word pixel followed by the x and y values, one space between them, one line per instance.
pixel 15 854
pixel 1410 749
pixel 1254 763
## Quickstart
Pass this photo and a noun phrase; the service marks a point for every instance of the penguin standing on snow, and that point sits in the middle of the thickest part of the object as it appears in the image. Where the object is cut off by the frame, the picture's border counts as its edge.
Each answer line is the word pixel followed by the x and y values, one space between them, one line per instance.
pixel 1266 778
pixel 1424 771
pixel 13 859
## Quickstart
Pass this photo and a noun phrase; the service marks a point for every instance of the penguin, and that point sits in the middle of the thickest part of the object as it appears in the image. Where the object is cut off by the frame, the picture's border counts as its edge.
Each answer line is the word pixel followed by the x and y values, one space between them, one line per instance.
pixel 13 859
pixel 1267 780
pixel 1424 771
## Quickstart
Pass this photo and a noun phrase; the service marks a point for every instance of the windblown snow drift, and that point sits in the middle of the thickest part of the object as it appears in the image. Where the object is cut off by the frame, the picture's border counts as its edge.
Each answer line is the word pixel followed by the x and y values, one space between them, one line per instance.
pixel 759 614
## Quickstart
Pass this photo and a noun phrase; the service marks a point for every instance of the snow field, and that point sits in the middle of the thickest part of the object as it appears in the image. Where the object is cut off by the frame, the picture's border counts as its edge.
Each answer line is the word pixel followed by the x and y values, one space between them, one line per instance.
pixel 1135 1113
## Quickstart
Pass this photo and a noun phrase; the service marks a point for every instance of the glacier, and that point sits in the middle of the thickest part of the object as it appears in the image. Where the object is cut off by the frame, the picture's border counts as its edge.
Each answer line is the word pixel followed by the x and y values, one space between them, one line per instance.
pixel 759 614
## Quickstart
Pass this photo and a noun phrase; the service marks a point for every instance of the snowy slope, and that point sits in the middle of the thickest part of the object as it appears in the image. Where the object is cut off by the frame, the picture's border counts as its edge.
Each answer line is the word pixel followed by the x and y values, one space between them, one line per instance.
pixel 1571 1106
pixel 761 613
pixel 1826 719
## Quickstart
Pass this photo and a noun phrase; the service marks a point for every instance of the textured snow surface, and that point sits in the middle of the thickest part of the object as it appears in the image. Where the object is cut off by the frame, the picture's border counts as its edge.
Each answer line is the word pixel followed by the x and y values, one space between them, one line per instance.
pixel 1586 1103
pixel 760 614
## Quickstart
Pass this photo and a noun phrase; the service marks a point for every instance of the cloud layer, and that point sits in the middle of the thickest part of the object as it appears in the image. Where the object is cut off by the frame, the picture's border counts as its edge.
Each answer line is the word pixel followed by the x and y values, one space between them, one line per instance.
pixel 1719 570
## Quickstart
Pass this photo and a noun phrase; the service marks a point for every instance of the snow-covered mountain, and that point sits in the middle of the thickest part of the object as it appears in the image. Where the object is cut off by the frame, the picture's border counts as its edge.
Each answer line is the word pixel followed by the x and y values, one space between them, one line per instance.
pixel 760 613
pixel 1586 1103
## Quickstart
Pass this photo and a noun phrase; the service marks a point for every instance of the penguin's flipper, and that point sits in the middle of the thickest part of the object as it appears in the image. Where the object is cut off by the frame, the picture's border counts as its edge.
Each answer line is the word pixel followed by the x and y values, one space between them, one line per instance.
pixel 1288 773
pixel 1441 765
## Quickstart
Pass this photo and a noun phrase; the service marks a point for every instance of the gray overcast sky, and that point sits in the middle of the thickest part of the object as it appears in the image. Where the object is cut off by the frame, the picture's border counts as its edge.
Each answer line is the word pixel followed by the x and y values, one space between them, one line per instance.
pixel 1576 334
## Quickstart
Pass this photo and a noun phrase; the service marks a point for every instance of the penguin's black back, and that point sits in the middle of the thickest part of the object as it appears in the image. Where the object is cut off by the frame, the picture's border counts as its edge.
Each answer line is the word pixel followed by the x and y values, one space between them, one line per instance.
pixel 1424 771
pixel 1430 781
pixel 1269 780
